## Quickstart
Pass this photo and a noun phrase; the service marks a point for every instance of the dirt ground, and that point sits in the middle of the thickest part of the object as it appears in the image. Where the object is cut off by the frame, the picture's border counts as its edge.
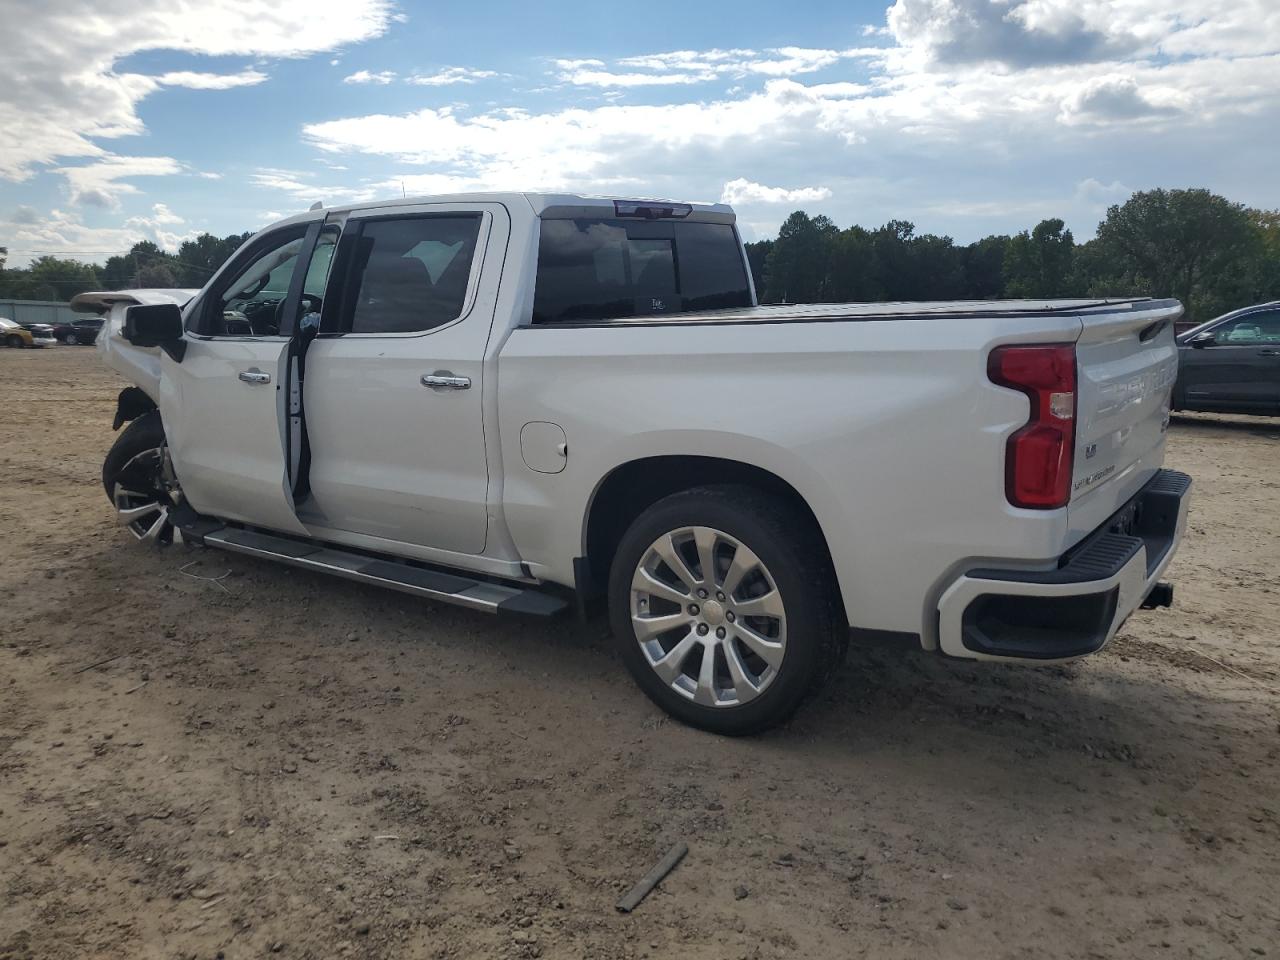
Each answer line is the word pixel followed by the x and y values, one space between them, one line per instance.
pixel 274 761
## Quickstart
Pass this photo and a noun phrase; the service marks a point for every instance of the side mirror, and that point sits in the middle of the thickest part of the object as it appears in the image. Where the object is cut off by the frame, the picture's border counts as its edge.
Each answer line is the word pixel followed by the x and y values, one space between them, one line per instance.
pixel 156 325
pixel 1202 340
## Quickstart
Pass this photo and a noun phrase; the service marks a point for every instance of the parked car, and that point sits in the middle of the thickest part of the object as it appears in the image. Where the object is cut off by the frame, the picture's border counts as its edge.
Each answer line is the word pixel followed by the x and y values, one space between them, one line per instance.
pixel 1232 363
pixel 524 402
pixel 14 334
pixel 80 331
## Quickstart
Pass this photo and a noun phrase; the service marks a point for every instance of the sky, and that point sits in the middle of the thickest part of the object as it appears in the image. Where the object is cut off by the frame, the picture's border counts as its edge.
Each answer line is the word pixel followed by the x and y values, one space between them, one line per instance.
pixel 123 120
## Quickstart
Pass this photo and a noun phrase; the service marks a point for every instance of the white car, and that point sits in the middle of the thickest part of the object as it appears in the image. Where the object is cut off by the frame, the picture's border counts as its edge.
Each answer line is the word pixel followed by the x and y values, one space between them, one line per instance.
pixel 14 334
pixel 523 402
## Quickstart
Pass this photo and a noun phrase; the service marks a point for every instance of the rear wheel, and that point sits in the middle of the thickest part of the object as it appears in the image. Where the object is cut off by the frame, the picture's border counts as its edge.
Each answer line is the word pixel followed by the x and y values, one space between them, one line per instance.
pixel 724 608
pixel 70 340
pixel 139 480
pixel 13 340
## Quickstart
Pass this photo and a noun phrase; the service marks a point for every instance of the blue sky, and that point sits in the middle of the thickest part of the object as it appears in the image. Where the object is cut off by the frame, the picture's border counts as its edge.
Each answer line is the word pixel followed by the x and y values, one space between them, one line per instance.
pixel 148 119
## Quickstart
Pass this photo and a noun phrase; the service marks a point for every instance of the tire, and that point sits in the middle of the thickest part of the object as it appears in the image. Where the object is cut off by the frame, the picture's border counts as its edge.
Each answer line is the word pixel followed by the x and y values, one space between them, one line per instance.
pixel 13 340
pixel 70 340
pixel 138 482
pixel 791 558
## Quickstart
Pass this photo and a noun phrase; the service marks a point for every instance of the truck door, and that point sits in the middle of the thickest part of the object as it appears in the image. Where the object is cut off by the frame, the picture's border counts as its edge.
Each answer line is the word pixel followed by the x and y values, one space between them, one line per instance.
pixel 394 382
pixel 226 404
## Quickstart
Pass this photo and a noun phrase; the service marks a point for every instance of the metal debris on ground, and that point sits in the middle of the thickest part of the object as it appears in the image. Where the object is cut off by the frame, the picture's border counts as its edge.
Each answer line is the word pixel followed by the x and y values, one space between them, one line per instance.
pixel 653 878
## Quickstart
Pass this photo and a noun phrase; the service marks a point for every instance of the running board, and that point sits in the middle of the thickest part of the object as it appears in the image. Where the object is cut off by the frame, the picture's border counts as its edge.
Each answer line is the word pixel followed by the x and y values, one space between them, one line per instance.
pixel 434 584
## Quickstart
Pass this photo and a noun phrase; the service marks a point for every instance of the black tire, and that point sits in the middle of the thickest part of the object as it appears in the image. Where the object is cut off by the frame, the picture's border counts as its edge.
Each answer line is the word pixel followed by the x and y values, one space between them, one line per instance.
pixel 785 541
pixel 142 434
pixel 70 340
pixel 13 340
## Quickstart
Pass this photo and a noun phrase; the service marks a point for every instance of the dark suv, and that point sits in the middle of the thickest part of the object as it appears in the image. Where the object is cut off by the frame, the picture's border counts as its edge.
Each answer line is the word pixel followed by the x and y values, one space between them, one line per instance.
pixel 83 330
pixel 1231 364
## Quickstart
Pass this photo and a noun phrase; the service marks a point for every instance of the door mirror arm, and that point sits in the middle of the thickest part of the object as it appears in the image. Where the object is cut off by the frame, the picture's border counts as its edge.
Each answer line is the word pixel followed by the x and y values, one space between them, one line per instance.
pixel 156 325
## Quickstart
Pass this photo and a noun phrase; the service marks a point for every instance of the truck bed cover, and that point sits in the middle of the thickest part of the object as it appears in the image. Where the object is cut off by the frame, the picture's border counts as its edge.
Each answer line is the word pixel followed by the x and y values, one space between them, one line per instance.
pixel 831 312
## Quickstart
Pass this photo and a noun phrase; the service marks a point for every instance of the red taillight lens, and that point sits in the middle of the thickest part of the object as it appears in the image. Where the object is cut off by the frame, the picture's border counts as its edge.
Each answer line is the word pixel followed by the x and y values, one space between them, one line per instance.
pixel 1038 458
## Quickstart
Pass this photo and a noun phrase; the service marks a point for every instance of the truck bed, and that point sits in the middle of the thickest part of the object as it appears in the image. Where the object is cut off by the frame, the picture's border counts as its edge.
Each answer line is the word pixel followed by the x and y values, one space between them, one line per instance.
pixel 831 312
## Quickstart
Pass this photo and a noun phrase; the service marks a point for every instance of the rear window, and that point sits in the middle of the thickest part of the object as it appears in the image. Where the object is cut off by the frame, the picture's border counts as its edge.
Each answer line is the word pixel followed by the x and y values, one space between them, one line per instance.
pixel 409 274
pixel 602 269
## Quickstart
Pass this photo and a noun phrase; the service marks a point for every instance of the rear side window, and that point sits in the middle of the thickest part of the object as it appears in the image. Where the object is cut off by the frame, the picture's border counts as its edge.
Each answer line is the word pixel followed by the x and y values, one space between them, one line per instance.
pixel 1250 329
pixel 408 274
pixel 603 269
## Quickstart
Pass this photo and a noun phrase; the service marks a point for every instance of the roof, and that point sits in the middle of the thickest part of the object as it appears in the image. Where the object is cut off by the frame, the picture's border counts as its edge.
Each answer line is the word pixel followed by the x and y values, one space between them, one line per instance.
pixel 548 205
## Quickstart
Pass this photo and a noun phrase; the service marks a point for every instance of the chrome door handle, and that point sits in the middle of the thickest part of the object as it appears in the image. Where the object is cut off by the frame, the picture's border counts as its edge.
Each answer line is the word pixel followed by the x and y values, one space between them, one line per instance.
pixel 446 381
pixel 255 376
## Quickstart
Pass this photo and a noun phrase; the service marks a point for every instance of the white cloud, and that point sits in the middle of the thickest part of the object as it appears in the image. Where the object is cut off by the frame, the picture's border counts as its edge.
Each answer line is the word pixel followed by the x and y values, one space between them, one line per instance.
pixel 449 76
pixel 211 81
pixel 63 234
pixel 679 67
pixel 743 191
pixel 154 227
pixel 1107 98
pixel 102 182
pixel 1093 193
pixel 604 78
pixel 298 187
pixel 61 90
pixel 938 121
pixel 364 76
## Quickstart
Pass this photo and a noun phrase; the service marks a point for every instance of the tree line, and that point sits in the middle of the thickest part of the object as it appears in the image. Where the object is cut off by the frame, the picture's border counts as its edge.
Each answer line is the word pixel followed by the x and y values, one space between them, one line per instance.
pixel 145 265
pixel 1210 253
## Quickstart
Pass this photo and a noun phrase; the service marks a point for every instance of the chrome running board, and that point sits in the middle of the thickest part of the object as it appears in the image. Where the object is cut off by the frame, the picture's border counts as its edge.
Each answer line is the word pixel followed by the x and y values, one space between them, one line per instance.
pixel 420 581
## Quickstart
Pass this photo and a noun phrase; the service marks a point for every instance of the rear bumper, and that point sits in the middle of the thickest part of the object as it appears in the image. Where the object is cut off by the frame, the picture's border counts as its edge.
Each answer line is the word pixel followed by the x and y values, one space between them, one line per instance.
pixel 1076 607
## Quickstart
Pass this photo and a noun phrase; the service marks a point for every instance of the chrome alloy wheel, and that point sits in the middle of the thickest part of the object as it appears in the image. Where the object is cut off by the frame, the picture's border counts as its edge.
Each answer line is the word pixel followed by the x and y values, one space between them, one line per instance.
pixel 144 492
pixel 708 617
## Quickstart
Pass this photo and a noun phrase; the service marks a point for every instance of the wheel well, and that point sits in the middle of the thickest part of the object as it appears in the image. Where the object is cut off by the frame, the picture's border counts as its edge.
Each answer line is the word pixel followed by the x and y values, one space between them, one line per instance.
pixel 634 487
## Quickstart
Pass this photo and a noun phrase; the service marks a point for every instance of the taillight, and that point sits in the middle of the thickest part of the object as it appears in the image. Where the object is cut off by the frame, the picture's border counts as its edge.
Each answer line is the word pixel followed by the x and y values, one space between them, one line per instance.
pixel 1038 458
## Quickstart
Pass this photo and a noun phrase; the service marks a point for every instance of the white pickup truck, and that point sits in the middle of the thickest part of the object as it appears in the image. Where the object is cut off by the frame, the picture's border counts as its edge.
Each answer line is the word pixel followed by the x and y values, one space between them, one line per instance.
pixel 523 402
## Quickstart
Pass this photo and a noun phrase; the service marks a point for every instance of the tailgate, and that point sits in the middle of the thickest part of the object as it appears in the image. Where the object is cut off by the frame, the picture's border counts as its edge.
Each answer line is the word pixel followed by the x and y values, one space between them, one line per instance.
pixel 1126 361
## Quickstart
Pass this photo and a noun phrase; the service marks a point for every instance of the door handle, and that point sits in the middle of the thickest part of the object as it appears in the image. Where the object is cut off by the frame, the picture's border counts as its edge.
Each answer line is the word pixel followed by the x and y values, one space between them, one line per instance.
pixel 255 376
pixel 444 380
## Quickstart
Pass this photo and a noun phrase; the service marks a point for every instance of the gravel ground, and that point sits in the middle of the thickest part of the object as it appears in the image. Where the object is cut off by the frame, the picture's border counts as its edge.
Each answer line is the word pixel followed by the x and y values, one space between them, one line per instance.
pixel 265 760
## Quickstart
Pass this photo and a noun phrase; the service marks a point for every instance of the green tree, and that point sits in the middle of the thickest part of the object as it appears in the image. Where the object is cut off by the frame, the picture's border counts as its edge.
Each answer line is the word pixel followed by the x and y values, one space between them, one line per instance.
pixel 1189 244
pixel 757 254
pixel 199 259
pixel 1038 263
pixel 797 268
pixel 50 278
pixel 982 263
pixel 855 270
pixel 157 274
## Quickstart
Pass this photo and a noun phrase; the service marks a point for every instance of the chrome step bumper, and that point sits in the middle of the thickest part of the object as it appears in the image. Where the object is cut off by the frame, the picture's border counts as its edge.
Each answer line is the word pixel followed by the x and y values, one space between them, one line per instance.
pixel 420 581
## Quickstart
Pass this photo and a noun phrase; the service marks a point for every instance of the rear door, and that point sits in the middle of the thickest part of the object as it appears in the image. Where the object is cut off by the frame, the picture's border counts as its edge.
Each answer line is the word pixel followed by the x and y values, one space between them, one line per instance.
pixel 225 405
pixel 1126 364
pixel 394 383
pixel 1234 365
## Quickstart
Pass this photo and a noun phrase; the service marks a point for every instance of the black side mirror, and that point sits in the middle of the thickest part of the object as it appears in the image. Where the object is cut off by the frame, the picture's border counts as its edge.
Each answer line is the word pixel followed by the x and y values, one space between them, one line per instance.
pixel 156 325
pixel 1202 340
